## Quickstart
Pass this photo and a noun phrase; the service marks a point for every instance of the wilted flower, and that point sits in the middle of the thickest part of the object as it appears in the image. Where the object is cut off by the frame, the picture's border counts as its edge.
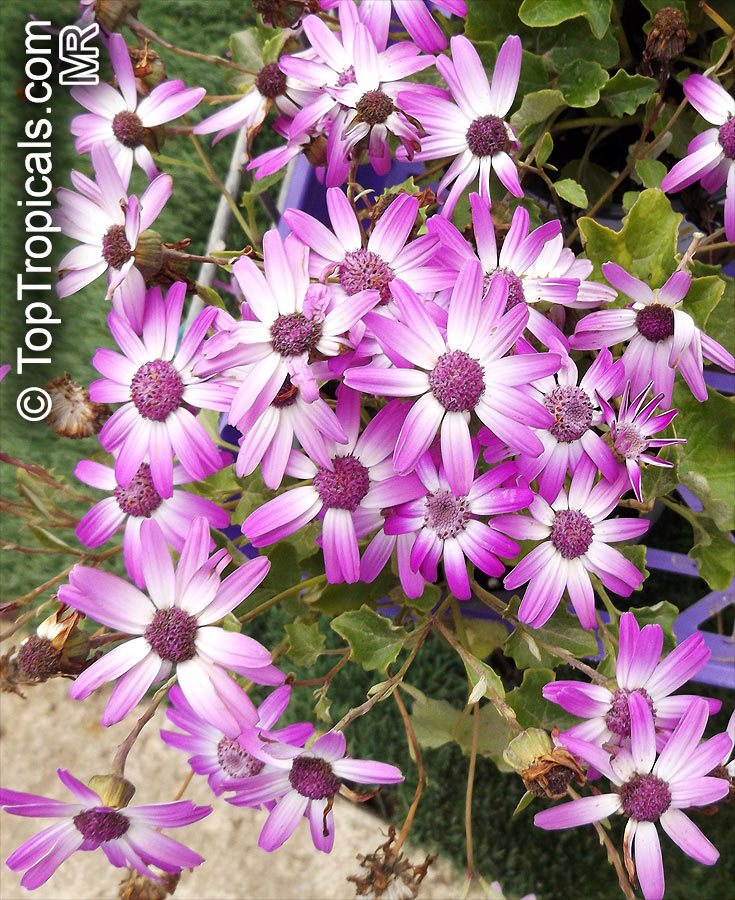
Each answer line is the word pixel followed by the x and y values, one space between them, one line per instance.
pixel 388 874
pixel 73 414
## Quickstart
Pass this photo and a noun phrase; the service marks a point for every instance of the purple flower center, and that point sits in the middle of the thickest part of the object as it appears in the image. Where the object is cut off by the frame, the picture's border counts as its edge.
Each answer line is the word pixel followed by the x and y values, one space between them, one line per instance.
pixel 294 334
pixel 313 777
pixel 98 826
pixel 38 657
pixel 172 634
pixel 362 270
pixel 374 107
pixel 487 135
pixel 572 411
pixel 628 441
pixel 617 717
pixel 655 322
pixel 727 137
pixel 235 761
pixel 116 250
pixel 515 287
pixel 139 498
pixel 347 77
pixel 571 533
pixel 270 81
pixel 645 798
pixel 446 513
pixel 345 487
pixel 457 381
pixel 287 395
pixel 156 389
pixel 128 129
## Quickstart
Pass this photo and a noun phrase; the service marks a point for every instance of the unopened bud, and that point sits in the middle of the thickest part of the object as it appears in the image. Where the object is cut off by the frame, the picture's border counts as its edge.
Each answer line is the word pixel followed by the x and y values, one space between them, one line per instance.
pixel 114 790
pixel 112 13
pixel 149 253
pixel 284 13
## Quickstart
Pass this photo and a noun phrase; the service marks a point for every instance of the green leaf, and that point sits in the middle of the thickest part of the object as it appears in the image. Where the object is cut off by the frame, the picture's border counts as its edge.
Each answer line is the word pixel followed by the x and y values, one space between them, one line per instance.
pixel 645 246
pixel 580 82
pixel 339 598
pixel 658 481
pixel 484 636
pixel 714 553
pixel 572 40
pixel 428 600
pixel 624 93
pixel 258 185
pixel 563 630
pixel 533 76
pixel 210 296
pixel 253 494
pixel 284 573
pixel 572 192
pixel 48 540
pixel 273 46
pixel 185 164
pixel 231 623
pixel 720 320
pixel 545 13
pixel 245 49
pixel 545 148
pixel 706 459
pixel 536 107
pixel 532 709
pixel 374 641
pixel 635 553
pixel 651 172
pixel 305 643
pixel 702 297
pixel 629 199
pixel 593 178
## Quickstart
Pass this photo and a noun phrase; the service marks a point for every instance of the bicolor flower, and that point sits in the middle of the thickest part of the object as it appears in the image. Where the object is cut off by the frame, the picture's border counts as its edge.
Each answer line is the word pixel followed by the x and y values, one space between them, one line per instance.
pixel 663 338
pixel 640 670
pixel 650 790
pixel 576 535
pixel 128 837
pixel 117 120
pixel 305 783
pixel 154 381
pixel 473 128
pixel 711 156
pixel 174 624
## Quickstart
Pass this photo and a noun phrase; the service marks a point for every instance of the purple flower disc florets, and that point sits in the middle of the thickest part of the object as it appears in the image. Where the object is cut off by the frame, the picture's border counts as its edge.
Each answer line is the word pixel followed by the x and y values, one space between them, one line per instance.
pixel 98 826
pixel 139 498
pixel 128 129
pixel 38 657
pixel 172 634
pixel 572 411
pixel 293 334
pixel 457 381
pixel 515 287
pixel 116 250
pixel 645 798
pixel 362 270
pixel 374 107
pixel 571 533
pixel 156 389
pixel 628 441
pixel 446 513
pixel 655 322
pixel 344 487
pixel 270 81
pixel 617 717
pixel 487 135
pixel 347 77
pixel 313 777
pixel 235 761
pixel 727 137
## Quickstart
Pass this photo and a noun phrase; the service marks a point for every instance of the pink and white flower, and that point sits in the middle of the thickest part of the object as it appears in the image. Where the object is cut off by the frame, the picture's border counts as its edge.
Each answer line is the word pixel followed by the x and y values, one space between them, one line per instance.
pixel 128 837
pixel 576 535
pixel 116 118
pixel 174 625
pixel 711 158
pixel 651 790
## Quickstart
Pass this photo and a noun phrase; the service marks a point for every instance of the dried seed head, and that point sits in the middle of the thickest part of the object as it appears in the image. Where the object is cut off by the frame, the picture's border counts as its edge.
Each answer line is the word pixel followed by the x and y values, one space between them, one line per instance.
pixel 137 887
pixel 668 36
pixel 387 875
pixel 73 414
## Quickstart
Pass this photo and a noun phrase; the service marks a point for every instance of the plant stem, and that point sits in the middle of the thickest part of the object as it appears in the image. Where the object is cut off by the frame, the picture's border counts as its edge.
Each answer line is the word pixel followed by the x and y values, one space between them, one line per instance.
pixel 289 592
pixel 468 793
pixel 121 754
pixel 414 744
pixel 187 781
pixel 324 679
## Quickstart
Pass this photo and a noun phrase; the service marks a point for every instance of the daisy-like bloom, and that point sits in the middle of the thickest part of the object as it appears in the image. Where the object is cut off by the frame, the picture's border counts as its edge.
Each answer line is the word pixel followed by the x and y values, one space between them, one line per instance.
pixel 651 790
pixel 305 783
pixel 473 129
pixel 359 82
pixel 139 501
pixel 640 670
pixel 576 535
pixel 376 263
pixel 127 836
pixel 214 744
pixel 109 225
pixel 662 337
pixel 174 625
pixel 535 265
pixel 293 320
pixel 415 17
pixel 576 408
pixel 466 370
pixel 343 494
pixel 156 380
pixel 631 430
pixel 711 156
pixel 123 125
pixel 445 525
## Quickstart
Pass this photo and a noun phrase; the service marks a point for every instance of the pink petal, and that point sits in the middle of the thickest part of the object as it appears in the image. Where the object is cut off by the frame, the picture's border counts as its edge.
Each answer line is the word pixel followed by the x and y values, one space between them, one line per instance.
pixel 578 812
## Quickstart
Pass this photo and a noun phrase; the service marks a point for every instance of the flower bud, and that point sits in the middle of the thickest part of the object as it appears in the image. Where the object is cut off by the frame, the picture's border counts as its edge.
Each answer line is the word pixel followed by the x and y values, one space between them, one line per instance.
pixel 112 13
pixel 114 790
pixel 149 253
